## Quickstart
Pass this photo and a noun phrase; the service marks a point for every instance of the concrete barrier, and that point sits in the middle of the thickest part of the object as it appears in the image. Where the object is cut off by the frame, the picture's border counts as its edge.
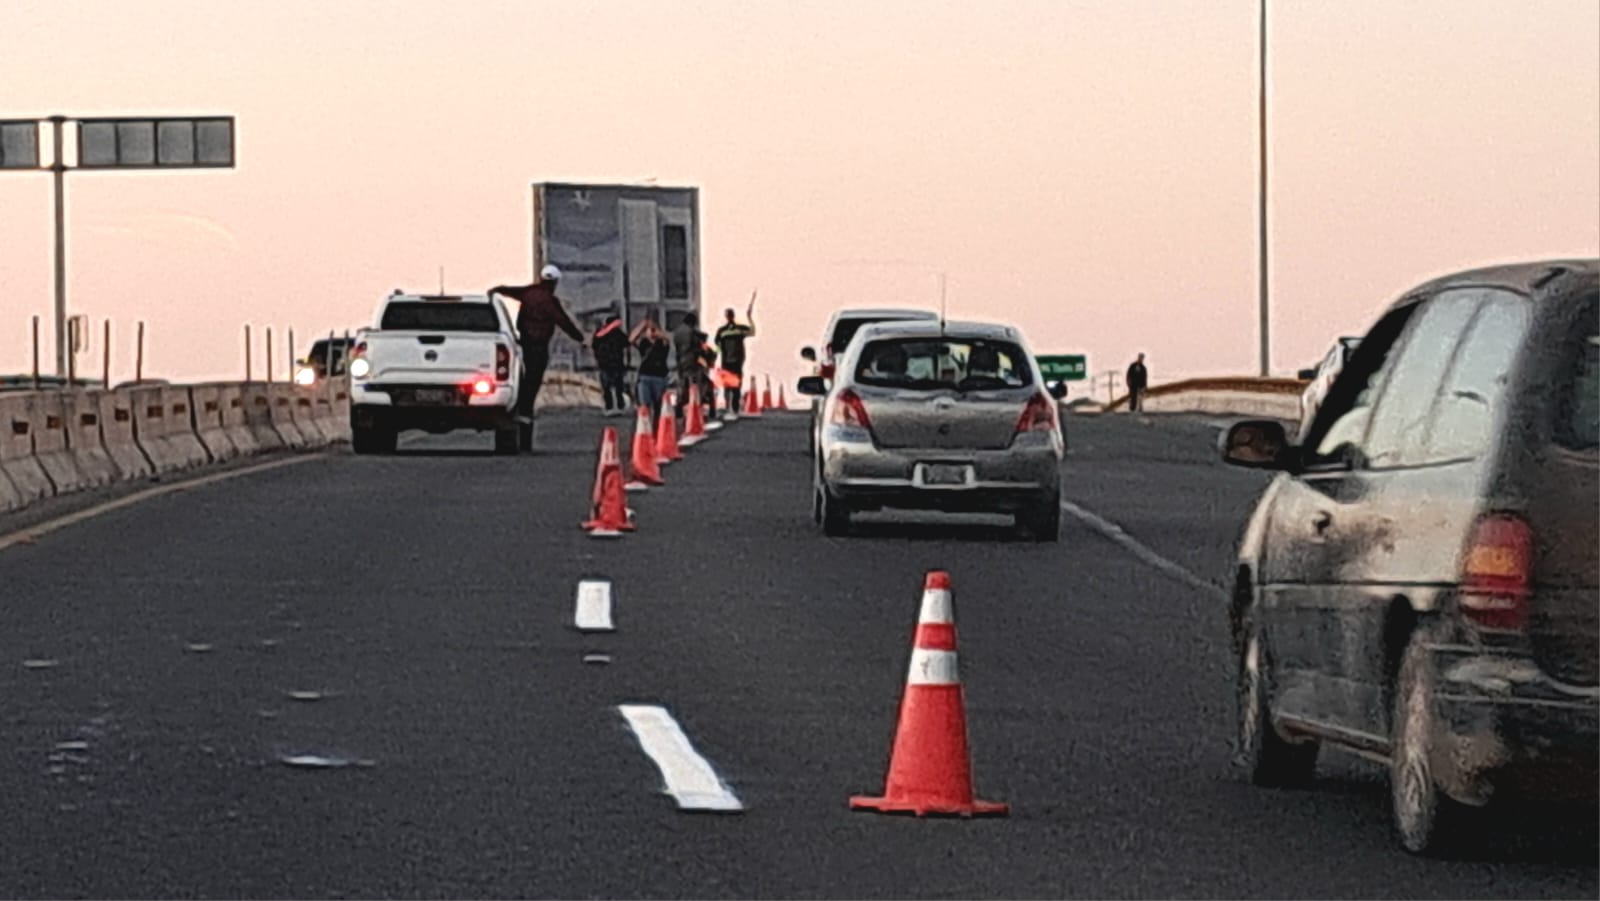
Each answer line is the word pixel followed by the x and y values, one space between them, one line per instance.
pixel 1245 397
pixel 327 421
pixel 86 439
pixel 163 423
pixel 339 404
pixel 283 415
pixel 48 412
pixel 117 435
pixel 258 417
pixel 235 424
pixel 305 416
pixel 209 428
pixel 26 479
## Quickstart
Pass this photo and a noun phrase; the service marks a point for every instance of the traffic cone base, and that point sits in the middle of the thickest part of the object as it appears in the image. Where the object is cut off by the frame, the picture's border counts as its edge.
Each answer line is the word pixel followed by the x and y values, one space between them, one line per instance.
pixel 930 769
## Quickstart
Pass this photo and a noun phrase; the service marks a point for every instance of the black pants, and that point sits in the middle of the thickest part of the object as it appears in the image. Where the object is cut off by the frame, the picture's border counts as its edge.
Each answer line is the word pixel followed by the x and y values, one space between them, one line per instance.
pixel 1135 400
pixel 736 393
pixel 535 360
pixel 614 385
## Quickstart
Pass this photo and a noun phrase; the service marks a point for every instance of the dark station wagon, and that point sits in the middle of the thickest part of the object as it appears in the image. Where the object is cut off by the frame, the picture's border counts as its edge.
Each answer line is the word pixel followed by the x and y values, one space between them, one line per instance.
pixel 1419 582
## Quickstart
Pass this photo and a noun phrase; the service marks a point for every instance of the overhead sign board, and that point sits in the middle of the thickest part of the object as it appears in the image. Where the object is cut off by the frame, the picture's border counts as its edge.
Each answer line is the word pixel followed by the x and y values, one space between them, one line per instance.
pixel 165 143
pixel 19 144
pixel 1064 367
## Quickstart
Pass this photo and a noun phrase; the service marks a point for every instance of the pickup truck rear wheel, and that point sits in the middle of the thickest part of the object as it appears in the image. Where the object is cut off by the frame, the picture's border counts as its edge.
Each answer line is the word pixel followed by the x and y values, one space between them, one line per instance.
pixel 372 440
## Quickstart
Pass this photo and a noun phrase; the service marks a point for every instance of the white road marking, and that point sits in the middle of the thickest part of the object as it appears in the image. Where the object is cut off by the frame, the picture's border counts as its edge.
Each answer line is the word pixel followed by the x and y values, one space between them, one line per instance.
pixel 691 781
pixel 593 613
pixel 1114 532
pixel 29 534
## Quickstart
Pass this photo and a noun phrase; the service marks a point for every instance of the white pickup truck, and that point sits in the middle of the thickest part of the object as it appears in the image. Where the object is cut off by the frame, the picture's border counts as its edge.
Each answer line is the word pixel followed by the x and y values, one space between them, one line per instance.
pixel 437 363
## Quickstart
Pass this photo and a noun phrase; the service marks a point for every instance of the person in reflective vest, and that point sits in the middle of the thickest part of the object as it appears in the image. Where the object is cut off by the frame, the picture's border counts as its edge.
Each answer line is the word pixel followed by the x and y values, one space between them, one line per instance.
pixel 730 342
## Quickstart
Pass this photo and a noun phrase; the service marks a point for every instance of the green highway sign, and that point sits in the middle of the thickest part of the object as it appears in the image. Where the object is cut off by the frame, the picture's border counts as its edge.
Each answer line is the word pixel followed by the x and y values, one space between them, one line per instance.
pixel 1064 367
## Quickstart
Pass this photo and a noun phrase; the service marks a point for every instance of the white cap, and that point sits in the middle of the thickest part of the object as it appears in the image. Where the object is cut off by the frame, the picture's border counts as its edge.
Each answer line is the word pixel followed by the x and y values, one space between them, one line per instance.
pixel 550 274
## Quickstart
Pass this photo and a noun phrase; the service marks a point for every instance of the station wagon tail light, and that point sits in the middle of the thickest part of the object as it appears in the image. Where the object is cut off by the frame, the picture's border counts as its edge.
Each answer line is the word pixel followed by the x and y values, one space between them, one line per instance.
pixel 1038 416
pixel 502 362
pixel 1498 573
pixel 848 410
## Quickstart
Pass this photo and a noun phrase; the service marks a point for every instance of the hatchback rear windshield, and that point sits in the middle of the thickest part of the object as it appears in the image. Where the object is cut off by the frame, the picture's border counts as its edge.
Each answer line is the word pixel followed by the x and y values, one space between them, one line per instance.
pixel 439 316
pixel 934 364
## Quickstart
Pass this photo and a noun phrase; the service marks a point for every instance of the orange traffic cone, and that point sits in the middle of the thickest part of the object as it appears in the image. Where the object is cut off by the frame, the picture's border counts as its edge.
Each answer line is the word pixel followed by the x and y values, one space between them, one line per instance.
pixel 694 419
pixel 646 472
pixel 667 436
pixel 608 515
pixel 752 404
pixel 783 404
pixel 930 771
pixel 766 396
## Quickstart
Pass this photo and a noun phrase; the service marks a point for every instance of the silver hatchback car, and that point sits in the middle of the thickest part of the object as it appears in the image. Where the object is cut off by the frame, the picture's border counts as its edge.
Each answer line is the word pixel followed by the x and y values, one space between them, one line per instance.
pixel 952 417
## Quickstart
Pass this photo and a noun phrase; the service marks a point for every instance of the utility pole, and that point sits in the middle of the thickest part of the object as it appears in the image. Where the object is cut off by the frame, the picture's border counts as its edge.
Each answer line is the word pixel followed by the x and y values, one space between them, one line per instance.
pixel 1266 323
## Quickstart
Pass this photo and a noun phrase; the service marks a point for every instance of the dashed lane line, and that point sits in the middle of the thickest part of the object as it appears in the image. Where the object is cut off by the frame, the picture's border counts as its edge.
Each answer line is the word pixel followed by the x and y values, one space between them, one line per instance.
pixel 690 779
pixel 1108 529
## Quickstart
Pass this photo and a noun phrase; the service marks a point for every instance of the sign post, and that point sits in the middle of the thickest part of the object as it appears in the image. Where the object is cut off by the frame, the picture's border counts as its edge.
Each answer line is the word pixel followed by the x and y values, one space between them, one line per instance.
pixel 194 142
pixel 1064 367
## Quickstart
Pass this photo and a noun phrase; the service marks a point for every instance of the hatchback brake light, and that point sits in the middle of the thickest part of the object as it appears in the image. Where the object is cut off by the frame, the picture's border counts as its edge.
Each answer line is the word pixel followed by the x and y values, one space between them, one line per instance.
pixel 848 410
pixel 1498 573
pixel 1038 416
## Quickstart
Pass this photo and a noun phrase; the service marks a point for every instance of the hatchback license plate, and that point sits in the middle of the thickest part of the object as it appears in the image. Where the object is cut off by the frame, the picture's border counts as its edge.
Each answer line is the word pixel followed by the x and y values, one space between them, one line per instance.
pixel 943 474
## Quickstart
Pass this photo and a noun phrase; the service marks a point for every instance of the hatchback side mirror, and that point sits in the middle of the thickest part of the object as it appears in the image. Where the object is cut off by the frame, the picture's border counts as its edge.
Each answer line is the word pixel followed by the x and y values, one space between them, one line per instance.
pixel 1256 444
pixel 812 385
pixel 809 354
pixel 1058 390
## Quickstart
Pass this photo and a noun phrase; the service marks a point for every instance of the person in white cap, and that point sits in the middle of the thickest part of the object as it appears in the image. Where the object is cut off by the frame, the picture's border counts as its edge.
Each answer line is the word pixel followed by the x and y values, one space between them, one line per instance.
pixel 540 314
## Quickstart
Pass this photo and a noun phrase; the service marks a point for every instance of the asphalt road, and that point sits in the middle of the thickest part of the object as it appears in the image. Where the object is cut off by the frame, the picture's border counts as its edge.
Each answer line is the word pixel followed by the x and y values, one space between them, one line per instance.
pixel 412 616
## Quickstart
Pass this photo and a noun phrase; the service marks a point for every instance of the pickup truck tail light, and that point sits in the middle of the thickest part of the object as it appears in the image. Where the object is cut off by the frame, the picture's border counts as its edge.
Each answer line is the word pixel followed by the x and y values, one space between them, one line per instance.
pixel 502 362
pixel 1498 573
pixel 359 366
pixel 482 387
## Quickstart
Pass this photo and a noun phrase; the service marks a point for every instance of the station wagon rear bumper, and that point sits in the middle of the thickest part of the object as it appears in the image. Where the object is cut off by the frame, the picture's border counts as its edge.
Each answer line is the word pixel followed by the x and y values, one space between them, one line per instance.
pixel 1510 723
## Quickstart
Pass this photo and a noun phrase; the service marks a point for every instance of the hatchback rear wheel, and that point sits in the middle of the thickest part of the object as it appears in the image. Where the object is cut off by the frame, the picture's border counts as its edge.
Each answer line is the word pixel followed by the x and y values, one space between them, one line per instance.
pixel 1270 759
pixel 1042 518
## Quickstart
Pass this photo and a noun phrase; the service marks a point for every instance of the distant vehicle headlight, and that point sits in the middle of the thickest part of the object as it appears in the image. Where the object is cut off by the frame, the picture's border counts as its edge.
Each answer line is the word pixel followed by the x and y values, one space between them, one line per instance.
pixel 306 376
pixel 360 368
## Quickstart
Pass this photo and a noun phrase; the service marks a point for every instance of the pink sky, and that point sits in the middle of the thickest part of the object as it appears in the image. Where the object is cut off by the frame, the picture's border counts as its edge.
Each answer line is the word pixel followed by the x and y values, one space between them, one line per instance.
pixel 1085 170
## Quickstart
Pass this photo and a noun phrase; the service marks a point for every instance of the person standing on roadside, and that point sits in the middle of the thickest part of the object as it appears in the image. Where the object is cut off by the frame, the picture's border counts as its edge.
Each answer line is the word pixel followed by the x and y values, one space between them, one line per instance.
pixel 611 355
pixel 654 344
pixel 539 315
pixel 686 341
pixel 1138 381
pixel 730 344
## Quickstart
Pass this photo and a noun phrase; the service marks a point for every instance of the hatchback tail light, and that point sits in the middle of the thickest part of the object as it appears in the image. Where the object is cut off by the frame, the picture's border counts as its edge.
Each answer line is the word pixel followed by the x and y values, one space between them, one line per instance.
pixel 848 410
pixel 502 362
pixel 1498 573
pixel 1038 416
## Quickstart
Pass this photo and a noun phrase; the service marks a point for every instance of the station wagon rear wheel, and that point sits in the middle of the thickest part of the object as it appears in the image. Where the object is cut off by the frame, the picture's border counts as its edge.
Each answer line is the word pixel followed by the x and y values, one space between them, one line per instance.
pixel 1426 820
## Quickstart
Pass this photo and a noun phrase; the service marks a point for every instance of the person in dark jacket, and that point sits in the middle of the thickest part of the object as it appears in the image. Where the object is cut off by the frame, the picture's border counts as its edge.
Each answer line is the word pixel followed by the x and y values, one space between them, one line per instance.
pixel 654 344
pixel 538 317
pixel 1138 381
pixel 611 355
pixel 686 347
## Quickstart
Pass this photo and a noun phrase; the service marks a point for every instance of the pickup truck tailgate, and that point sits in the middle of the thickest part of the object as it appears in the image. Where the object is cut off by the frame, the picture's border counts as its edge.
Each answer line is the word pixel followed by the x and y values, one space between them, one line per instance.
pixel 430 357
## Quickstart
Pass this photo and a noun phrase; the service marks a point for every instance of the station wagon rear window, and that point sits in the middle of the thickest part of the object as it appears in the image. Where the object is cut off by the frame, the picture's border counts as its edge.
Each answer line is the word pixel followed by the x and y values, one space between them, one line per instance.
pixel 939 364
pixel 439 316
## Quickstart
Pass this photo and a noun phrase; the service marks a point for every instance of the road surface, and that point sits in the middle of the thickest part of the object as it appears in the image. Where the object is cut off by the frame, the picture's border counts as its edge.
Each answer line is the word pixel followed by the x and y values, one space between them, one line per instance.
pixel 165 666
